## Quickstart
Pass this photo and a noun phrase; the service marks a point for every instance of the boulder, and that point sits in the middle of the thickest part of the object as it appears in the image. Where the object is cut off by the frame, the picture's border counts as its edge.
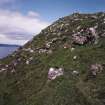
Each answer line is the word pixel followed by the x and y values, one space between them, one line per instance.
pixel 79 39
pixel 54 73
pixel 75 57
pixel 75 72
pixel 96 68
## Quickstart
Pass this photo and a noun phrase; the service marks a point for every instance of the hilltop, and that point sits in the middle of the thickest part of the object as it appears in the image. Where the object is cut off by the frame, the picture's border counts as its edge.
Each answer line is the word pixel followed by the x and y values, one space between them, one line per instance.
pixel 63 65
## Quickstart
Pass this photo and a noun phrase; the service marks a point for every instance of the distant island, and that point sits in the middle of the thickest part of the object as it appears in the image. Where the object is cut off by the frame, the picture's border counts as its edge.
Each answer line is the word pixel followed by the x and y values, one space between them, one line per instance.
pixel 9 45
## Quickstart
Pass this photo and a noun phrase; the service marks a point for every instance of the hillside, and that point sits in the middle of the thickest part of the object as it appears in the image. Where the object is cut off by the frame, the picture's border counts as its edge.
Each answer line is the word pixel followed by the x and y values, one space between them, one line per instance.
pixel 63 65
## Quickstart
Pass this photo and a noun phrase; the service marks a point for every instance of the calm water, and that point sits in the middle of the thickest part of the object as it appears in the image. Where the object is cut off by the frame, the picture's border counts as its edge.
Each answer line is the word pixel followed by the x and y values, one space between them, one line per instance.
pixel 4 51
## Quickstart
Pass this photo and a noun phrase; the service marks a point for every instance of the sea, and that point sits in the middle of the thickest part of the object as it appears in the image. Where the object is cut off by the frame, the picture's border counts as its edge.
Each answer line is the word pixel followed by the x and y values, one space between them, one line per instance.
pixel 6 50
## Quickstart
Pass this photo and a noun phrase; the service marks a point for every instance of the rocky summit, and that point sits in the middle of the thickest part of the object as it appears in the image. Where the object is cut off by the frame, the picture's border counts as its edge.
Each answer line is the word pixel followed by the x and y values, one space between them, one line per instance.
pixel 63 65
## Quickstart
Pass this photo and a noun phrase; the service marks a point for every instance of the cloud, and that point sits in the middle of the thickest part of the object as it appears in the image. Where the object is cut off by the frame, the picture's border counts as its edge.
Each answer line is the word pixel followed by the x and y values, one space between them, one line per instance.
pixel 5 40
pixel 33 14
pixel 16 27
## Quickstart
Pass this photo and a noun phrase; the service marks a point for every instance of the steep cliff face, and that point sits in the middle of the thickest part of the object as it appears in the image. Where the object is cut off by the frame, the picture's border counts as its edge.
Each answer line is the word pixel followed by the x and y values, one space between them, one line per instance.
pixel 63 65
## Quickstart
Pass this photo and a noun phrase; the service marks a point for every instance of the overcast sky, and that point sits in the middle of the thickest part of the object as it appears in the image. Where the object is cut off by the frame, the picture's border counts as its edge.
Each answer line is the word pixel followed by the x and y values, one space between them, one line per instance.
pixel 20 20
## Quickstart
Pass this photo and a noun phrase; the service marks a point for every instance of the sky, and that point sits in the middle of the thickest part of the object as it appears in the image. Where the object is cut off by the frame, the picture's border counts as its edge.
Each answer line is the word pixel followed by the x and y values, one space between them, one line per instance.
pixel 21 20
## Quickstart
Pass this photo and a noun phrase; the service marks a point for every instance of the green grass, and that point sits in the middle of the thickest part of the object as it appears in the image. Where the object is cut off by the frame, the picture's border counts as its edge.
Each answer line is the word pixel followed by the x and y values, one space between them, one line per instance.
pixel 29 85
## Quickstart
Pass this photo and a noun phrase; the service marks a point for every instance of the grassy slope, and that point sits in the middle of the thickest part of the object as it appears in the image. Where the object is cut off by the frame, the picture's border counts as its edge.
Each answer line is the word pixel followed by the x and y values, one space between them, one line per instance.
pixel 29 85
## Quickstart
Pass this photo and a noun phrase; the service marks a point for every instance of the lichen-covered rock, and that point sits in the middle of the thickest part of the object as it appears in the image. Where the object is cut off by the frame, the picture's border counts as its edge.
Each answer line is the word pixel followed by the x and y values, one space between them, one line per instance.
pixel 75 72
pixel 72 49
pixel 94 34
pixel 42 51
pixel 53 73
pixel 29 50
pixel 74 57
pixel 96 68
pixel 79 39
pixel 3 69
